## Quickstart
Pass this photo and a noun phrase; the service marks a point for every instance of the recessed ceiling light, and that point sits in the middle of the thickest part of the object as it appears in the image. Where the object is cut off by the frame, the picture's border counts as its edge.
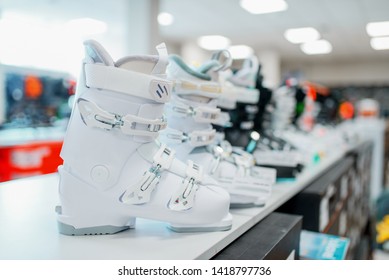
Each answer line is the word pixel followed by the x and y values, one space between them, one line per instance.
pixel 213 42
pixel 316 47
pixel 240 51
pixel 379 28
pixel 86 26
pixel 380 43
pixel 165 19
pixel 263 6
pixel 301 35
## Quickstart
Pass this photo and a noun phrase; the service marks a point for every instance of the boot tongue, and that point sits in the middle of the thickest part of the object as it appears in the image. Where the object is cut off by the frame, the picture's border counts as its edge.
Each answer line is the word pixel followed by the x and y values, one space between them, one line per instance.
pixel 147 64
pixel 95 53
pixel 142 64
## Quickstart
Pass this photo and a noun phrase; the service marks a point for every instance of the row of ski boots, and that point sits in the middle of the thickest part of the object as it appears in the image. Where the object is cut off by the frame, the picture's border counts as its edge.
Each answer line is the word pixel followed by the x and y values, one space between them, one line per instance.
pixel 257 127
pixel 273 150
pixel 140 144
pixel 191 113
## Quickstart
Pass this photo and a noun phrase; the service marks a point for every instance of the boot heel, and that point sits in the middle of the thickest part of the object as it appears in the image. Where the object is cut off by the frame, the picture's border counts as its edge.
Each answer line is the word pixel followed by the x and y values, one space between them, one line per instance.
pixel 67 229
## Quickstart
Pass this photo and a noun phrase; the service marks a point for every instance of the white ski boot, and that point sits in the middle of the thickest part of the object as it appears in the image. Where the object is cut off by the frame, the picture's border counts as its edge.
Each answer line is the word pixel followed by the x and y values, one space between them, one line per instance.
pixel 114 169
pixel 238 86
pixel 191 112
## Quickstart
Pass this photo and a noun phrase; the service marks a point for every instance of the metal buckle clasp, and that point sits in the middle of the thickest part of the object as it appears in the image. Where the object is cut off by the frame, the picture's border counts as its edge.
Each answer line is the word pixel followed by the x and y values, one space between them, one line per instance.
pixel 94 116
pixel 134 125
pixel 140 192
pixel 183 199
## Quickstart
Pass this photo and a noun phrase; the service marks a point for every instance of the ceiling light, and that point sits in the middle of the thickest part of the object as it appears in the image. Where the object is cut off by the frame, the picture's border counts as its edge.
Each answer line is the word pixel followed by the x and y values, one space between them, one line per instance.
pixel 240 51
pixel 301 35
pixel 316 47
pixel 86 26
pixel 165 19
pixel 380 43
pixel 263 6
pixel 213 42
pixel 380 28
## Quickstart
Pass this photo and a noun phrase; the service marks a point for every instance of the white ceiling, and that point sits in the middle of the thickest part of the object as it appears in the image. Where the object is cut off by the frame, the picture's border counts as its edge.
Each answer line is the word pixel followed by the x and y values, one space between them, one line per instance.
pixel 342 22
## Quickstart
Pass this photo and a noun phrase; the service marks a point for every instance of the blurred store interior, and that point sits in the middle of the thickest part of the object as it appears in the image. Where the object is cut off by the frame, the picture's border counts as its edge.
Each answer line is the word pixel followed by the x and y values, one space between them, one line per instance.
pixel 333 53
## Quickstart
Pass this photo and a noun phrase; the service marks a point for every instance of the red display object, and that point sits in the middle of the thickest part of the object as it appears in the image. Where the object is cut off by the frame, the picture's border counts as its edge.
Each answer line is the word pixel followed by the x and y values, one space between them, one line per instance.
pixel 33 158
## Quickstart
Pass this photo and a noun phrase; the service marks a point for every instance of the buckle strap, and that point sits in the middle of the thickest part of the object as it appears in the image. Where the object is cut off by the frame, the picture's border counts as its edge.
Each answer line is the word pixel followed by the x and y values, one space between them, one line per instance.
pixel 140 192
pixel 247 185
pixel 200 114
pixel 184 86
pixel 196 138
pixel 183 199
pixel 128 82
pixel 94 116
pixel 224 120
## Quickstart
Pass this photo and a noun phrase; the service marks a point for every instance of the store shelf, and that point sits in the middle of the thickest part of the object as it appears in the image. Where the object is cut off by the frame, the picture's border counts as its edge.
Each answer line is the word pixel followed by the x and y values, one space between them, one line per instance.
pixel 277 237
pixel 28 227
pixel 21 136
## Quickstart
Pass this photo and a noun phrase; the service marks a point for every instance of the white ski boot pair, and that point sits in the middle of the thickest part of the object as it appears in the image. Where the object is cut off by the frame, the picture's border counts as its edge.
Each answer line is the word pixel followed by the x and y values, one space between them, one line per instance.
pixel 114 170
pixel 191 112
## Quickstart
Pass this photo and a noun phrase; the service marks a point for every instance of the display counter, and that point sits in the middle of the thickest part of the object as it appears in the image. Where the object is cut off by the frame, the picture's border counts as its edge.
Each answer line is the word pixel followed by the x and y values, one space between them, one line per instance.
pixel 28 226
pixel 27 152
